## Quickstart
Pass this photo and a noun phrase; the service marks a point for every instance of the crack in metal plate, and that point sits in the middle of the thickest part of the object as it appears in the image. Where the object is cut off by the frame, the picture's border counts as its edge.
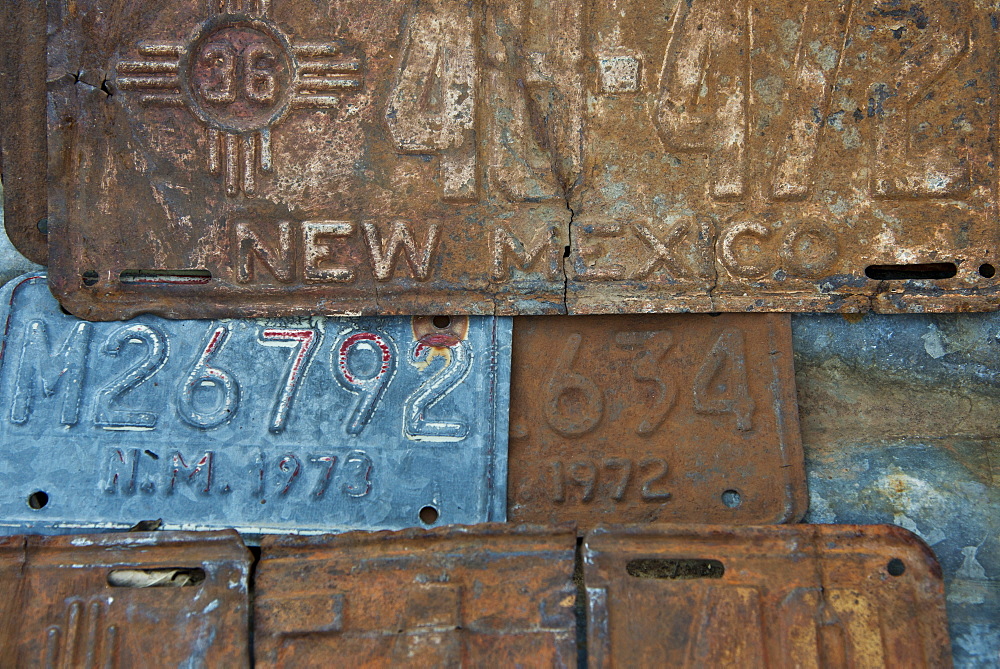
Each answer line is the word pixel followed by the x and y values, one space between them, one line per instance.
pixel 654 418
pixel 284 425
pixel 804 595
pixel 530 158
pixel 125 600
pixel 487 595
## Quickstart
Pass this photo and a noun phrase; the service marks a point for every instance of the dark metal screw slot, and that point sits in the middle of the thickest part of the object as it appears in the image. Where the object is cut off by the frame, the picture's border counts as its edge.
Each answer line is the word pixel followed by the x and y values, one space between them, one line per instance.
pixel 38 499
pixel 428 515
pixel 441 322
pixel 675 569
pixel 732 498
pixel 895 567
pixel 987 270
pixel 163 577
pixel 914 272
pixel 89 277
pixel 43 225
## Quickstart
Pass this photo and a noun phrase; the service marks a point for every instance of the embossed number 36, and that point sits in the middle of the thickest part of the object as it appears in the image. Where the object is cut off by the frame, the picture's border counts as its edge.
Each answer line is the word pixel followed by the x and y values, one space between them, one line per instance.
pixel 259 82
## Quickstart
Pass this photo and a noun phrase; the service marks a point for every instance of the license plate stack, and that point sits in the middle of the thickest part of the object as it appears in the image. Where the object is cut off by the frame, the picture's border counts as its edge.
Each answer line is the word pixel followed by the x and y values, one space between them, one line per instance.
pixel 430 332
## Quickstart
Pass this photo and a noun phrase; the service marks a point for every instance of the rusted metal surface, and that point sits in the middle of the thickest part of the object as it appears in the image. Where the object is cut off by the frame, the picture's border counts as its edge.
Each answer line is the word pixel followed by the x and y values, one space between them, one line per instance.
pixel 805 595
pixel 23 157
pixel 125 600
pixel 491 157
pixel 899 425
pixel 637 419
pixel 485 595
pixel 12 262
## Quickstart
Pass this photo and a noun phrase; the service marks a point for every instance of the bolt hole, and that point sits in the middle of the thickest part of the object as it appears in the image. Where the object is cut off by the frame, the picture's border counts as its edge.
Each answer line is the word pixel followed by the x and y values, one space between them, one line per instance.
pixel 43 225
pixel 38 499
pixel 895 567
pixel 89 277
pixel 428 515
pixel 987 270
pixel 441 322
pixel 732 498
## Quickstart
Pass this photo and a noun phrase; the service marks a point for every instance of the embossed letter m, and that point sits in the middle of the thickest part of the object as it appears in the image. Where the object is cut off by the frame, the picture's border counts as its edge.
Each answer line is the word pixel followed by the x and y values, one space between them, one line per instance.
pixel 38 366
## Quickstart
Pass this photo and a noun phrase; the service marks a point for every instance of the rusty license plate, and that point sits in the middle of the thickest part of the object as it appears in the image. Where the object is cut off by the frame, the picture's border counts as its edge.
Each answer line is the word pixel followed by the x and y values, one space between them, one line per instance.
pixel 125 600
pixel 284 425
pixel 488 595
pixel 805 596
pixel 490 157
pixel 637 419
pixel 22 127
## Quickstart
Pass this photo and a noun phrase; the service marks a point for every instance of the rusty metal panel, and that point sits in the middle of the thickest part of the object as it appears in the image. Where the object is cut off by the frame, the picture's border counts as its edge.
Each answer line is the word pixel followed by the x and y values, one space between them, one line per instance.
pixel 790 156
pixel 474 596
pixel 899 425
pixel 508 157
pixel 125 600
pixel 12 262
pixel 783 596
pixel 286 425
pixel 670 418
pixel 23 155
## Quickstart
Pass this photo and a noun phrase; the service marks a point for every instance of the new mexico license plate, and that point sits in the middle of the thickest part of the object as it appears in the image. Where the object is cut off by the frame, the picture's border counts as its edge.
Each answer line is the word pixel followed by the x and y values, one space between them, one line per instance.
pixel 266 157
pixel 264 426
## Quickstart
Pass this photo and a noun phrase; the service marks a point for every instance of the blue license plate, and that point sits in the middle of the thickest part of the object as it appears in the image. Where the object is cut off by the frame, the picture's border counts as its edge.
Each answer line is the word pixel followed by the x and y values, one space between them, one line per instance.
pixel 266 426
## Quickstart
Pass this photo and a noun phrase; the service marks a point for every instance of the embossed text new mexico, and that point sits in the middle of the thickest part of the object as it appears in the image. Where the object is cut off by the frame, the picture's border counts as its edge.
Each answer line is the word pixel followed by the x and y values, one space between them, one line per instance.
pixel 257 157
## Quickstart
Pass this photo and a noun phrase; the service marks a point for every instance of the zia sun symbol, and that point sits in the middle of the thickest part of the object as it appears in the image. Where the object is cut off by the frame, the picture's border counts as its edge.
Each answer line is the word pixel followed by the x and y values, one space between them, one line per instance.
pixel 240 75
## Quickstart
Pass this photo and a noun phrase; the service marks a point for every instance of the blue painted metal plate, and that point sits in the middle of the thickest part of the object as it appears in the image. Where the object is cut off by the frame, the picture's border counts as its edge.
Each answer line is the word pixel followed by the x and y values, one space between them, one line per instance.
pixel 899 424
pixel 265 426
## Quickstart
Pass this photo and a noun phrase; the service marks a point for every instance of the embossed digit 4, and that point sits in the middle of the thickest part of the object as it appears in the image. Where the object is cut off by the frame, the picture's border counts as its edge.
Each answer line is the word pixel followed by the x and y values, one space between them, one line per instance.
pixel 457 361
pixel 707 55
pixel 155 357
pixel 204 376
pixel 432 106
pixel 720 387
pixel 369 390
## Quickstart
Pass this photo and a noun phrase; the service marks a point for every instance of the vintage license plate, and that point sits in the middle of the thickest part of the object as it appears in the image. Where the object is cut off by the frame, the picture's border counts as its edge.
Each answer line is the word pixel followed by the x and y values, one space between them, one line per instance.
pixel 125 600
pixel 313 425
pixel 268 157
pixel 802 596
pixel 638 419
pixel 478 596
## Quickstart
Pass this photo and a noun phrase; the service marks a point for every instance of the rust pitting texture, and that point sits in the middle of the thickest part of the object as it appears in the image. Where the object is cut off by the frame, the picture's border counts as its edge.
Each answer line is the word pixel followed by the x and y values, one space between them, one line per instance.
pixel 806 595
pixel 123 600
pixel 654 418
pixel 530 158
pixel 484 595
pixel 22 127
